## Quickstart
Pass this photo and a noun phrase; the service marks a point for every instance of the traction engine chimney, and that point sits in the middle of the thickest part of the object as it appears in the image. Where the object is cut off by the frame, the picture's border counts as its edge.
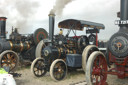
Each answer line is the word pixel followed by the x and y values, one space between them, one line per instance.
pixel 124 14
pixel 51 26
pixel 3 27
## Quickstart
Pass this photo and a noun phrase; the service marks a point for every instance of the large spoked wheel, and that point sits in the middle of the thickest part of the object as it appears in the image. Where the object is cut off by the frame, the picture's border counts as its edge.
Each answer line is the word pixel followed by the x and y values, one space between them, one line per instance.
pixel 9 59
pixel 86 53
pixel 96 69
pixel 39 47
pixel 38 67
pixel 58 70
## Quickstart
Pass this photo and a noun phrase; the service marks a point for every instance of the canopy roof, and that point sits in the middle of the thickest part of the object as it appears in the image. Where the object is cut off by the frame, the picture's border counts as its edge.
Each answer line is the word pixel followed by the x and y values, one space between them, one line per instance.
pixel 79 24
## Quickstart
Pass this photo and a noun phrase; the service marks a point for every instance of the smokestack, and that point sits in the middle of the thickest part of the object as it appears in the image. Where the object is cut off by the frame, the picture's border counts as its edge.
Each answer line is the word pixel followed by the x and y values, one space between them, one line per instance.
pixel 51 26
pixel 124 15
pixel 124 10
pixel 3 27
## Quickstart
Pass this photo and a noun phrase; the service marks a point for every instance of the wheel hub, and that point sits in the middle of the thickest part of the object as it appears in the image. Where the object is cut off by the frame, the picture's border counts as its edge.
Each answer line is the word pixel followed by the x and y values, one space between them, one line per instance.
pixel 119 45
pixel 9 61
pixel 40 67
pixel 60 70
pixel 97 71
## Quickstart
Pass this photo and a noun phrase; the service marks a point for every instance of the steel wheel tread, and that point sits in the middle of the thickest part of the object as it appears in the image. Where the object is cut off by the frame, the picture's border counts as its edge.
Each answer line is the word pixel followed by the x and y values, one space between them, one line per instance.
pixel 85 55
pixel 16 62
pixel 33 66
pixel 89 66
pixel 39 48
pixel 52 69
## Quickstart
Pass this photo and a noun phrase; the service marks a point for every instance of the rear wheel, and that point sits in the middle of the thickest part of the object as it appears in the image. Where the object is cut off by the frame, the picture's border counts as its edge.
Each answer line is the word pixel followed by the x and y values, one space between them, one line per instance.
pixel 39 48
pixel 9 59
pixel 86 53
pixel 96 69
pixel 38 67
pixel 58 70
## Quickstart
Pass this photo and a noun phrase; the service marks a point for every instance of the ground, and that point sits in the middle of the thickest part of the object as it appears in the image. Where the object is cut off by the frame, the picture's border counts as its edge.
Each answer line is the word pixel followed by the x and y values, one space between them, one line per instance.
pixel 27 78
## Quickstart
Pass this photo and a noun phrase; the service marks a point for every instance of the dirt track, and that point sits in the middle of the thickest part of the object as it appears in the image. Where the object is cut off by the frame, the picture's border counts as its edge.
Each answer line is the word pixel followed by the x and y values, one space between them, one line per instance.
pixel 73 77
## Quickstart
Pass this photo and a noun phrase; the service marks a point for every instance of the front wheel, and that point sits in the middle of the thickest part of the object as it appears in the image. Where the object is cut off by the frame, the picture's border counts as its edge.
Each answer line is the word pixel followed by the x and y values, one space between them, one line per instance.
pixel 58 70
pixel 38 67
pixel 96 69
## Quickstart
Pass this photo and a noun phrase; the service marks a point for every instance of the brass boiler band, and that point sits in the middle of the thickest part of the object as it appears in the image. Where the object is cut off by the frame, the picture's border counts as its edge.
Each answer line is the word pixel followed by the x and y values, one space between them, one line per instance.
pixel 19 47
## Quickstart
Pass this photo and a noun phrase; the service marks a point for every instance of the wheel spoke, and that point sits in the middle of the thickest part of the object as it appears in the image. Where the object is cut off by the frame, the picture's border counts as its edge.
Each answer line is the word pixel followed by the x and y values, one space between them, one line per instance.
pixel 3 64
pixel 8 56
pixel 35 68
pixel 38 72
pixel 5 57
pixel 13 60
pixel 101 77
pixel 55 74
pixel 99 67
pixel 58 69
pixel 95 63
pixel 96 78
pixel 4 60
pixel 100 62
pixel 11 57
pixel 39 63
pixel 11 67
pixel 38 67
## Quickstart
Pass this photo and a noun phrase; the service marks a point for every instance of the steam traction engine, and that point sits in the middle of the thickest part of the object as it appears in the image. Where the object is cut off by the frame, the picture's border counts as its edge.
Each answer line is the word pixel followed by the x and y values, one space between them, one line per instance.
pixel 116 55
pixel 18 45
pixel 59 52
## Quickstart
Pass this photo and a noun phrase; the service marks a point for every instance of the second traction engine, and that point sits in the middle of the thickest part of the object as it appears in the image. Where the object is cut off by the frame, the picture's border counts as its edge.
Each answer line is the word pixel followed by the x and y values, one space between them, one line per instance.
pixel 18 46
pixel 116 57
pixel 118 43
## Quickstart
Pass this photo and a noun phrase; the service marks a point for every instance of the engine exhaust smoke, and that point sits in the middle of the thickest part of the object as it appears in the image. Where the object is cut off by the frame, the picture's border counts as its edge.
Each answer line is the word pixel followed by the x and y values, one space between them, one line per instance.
pixel 59 6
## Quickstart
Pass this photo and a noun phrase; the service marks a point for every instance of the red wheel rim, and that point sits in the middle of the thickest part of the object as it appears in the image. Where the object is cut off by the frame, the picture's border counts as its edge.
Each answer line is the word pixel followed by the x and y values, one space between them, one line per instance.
pixel 99 70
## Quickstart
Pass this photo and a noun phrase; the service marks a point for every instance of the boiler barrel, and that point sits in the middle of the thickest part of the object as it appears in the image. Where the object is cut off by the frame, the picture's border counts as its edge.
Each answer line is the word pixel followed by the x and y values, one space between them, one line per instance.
pixel 17 47
pixel 50 52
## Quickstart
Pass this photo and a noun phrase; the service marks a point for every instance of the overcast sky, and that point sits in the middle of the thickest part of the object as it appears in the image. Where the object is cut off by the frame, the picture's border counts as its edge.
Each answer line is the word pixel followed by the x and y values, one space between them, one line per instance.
pixel 28 15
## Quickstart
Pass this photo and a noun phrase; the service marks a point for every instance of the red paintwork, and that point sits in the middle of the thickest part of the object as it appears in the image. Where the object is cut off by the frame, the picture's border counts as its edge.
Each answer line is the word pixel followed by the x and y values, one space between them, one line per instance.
pixel 3 19
pixel 99 70
pixel 120 69
pixel 76 36
pixel 96 39
pixel 39 34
